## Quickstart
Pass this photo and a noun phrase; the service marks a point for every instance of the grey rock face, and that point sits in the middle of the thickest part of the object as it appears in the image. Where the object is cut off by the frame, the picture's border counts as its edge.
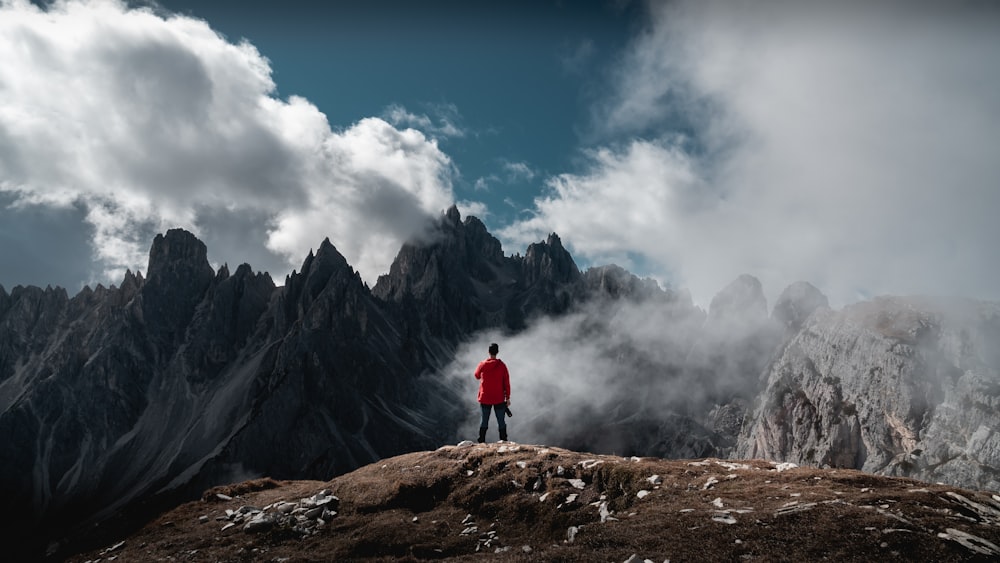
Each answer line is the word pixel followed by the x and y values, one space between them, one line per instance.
pixel 796 303
pixel 899 386
pixel 741 299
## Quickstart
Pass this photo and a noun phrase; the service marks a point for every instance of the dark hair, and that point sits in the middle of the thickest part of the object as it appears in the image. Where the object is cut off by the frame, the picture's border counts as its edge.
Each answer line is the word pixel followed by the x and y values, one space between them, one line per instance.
pixel 494 349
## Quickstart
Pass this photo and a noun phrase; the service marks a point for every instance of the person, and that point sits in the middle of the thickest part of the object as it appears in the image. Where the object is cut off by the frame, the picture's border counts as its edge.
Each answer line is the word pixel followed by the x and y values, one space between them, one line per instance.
pixel 494 392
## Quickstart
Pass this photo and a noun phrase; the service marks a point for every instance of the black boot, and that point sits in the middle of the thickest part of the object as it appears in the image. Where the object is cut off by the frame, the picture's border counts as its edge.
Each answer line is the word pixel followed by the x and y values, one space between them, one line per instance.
pixel 482 435
pixel 503 434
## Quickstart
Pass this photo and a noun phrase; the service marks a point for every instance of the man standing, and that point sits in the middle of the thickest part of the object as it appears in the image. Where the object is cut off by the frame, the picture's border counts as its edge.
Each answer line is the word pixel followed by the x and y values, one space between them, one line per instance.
pixel 494 392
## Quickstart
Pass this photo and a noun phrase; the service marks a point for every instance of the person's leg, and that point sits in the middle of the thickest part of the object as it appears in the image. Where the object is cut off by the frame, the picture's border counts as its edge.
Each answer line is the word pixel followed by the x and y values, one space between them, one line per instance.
pixel 501 423
pixel 484 422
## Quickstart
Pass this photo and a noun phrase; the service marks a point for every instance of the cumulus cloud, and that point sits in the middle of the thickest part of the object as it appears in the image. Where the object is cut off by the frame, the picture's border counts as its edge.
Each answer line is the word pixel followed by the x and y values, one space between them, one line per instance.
pixel 852 145
pixel 148 122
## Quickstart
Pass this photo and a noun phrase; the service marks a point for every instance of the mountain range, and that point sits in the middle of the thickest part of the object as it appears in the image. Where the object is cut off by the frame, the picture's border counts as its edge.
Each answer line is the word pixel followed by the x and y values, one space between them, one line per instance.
pixel 121 401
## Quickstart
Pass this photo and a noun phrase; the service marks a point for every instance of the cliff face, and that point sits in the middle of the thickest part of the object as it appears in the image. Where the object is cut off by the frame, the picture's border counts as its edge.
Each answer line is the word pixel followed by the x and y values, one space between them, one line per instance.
pixel 899 386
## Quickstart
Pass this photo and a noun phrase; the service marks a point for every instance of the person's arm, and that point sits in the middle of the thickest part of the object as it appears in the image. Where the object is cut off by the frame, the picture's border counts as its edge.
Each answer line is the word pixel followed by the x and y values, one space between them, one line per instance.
pixel 479 371
pixel 506 385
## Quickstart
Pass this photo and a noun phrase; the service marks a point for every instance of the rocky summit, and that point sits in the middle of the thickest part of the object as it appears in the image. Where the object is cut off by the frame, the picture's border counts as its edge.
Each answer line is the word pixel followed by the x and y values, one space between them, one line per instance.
pixel 124 401
pixel 514 502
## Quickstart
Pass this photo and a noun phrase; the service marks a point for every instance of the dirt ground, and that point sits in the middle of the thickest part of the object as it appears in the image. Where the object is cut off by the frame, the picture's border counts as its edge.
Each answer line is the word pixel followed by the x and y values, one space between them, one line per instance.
pixel 516 502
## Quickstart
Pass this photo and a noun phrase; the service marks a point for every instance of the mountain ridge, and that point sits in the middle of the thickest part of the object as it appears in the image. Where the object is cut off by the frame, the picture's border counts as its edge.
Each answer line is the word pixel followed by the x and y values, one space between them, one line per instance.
pixel 127 400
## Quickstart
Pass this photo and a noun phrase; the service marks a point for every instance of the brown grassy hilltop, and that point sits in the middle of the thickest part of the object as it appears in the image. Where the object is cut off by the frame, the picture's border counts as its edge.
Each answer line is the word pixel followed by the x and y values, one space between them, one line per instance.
pixel 516 502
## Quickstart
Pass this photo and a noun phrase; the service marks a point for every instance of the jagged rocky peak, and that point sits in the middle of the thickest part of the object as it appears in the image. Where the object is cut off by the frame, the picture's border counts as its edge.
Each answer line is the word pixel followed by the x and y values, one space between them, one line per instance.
pixel 796 303
pixel 4 301
pixel 614 281
pixel 178 276
pixel 549 260
pixel 743 299
pixel 178 252
pixel 319 270
pixel 451 249
pixel 480 240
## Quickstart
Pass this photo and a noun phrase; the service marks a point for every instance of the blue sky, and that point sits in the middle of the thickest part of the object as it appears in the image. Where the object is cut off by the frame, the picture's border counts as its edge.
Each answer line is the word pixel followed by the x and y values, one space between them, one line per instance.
pixel 517 78
pixel 848 144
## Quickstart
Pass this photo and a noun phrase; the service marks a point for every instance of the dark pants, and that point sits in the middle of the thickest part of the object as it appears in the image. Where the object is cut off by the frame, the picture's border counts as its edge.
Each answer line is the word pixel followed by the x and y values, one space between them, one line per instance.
pixel 498 409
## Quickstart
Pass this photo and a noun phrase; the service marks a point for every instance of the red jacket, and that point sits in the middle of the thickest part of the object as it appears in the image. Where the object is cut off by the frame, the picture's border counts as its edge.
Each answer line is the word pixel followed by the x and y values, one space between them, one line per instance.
pixel 494 381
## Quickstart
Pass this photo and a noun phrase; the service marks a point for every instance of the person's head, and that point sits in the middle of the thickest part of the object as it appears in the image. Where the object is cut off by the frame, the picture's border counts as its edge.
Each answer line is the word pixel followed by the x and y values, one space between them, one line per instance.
pixel 494 349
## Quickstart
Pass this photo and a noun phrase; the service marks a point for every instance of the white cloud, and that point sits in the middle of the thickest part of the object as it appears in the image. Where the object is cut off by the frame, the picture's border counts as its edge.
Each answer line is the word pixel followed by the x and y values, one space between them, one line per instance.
pixel 853 146
pixel 446 121
pixel 483 182
pixel 151 122
pixel 518 171
pixel 476 209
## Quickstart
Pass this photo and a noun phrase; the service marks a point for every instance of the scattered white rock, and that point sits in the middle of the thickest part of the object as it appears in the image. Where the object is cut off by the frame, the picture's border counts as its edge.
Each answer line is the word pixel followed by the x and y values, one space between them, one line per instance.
pixel 635 459
pixel 469 530
pixel 543 497
pixel 605 513
pixel 642 494
pixel 724 518
pixel 577 483
pixel 683 510
pixel 975 543
pixel 468 519
pixel 526 548
pixel 203 518
pixel 223 497
pixel 570 499
pixel 114 548
pixel 633 559
pixel 793 508
pixel 259 523
pixel 522 464
pixel 708 484
pixel 978 508
pixel 560 470
pixel 733 466
pixel 571 533
pixel 508 449
pixel 303 516
pixel 469 472
pixel 415 519
pixel 654 480
pixel 717 502
pixel 779 467
pixel 465 444
pixel 590 463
